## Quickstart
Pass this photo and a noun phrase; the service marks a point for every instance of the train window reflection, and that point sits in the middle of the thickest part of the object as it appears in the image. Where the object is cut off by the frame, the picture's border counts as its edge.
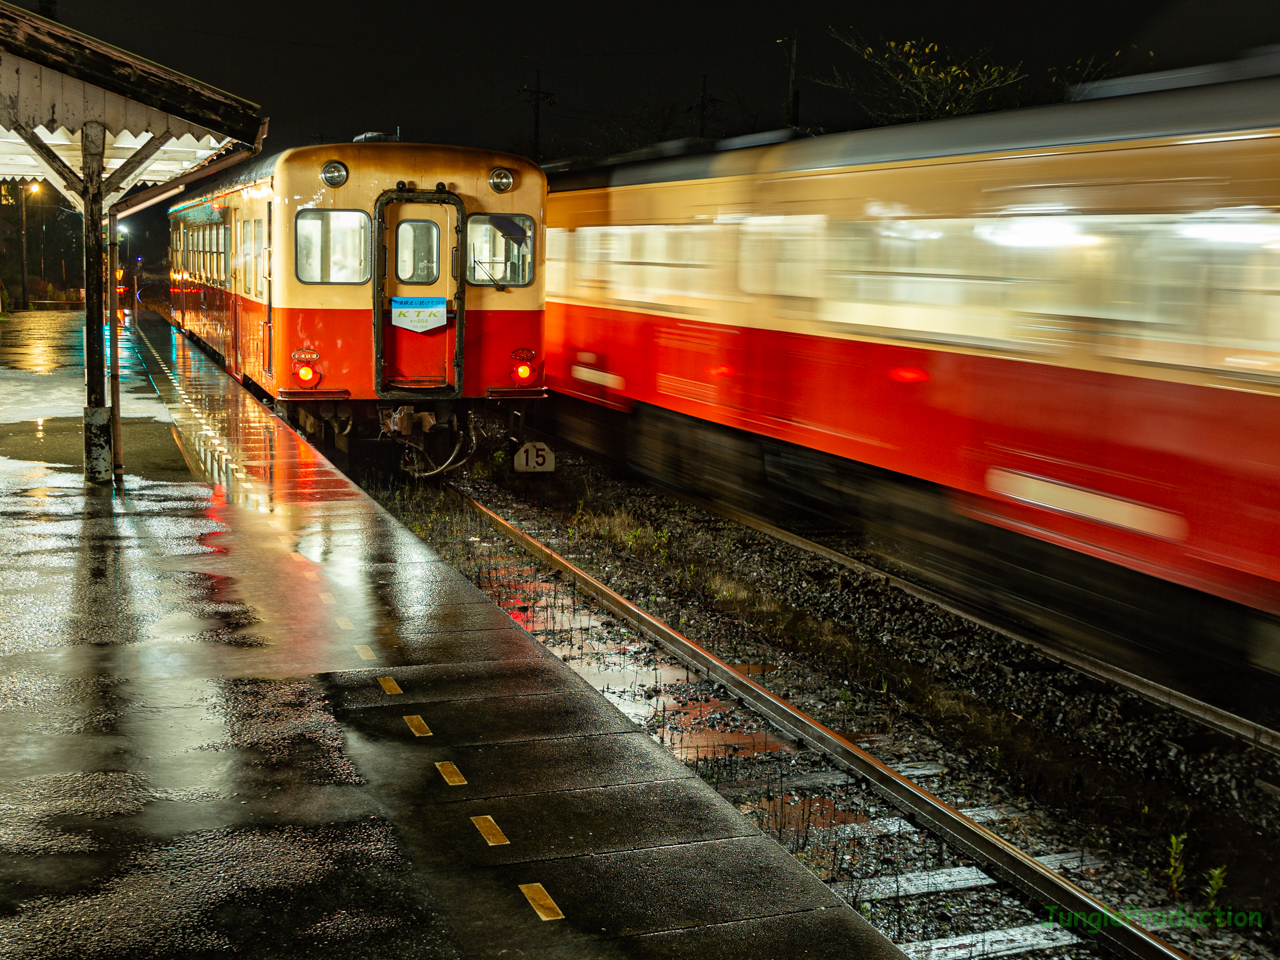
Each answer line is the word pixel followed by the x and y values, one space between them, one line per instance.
pixel 418 251
pixel 333 246
pixel 1195 290
pixel 557 261
pixel 246 255
pixel 500 250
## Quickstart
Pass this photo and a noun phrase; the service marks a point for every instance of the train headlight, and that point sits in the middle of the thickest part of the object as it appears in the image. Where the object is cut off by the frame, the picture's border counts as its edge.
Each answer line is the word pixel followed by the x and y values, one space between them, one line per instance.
pixel 333 173
pixel 501 180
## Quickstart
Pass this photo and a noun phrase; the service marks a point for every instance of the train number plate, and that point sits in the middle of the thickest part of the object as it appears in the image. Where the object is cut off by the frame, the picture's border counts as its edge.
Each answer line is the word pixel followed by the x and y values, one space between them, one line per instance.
pixel 535 458
pixel 418 314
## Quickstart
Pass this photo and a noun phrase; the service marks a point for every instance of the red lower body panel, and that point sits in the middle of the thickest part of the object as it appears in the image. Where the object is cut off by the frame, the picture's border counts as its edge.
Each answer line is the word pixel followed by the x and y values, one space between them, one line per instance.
pixel 1173 479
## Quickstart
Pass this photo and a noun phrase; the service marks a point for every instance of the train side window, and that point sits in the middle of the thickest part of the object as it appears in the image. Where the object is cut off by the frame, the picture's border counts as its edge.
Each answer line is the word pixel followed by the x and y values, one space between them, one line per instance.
pixel 224 254
pixel 332 246
pixel 558 251
pixel 246 256
pixel 500 250
pixel 259 241
pixel 418 251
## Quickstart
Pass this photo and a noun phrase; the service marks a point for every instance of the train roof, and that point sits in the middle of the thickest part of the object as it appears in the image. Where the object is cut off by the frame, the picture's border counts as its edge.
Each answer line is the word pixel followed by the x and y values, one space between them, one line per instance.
pixel 242 174
pixel 1195 111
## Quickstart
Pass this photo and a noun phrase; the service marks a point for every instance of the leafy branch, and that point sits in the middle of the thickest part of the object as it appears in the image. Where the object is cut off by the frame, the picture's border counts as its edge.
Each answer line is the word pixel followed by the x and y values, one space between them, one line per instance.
pixel 913 80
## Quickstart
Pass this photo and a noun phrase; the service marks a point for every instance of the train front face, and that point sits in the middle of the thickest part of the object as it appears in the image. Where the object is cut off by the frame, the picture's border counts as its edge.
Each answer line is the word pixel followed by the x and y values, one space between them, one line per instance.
pixel 409 289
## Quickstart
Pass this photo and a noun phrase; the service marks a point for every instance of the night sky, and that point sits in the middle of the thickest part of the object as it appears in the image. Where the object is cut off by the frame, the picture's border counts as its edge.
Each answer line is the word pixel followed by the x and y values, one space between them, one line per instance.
pixel 327 70
pixel 330 69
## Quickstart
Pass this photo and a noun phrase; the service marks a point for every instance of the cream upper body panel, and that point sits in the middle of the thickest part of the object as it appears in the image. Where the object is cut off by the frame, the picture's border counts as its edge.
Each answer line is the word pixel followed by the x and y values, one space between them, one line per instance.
pixel 374 169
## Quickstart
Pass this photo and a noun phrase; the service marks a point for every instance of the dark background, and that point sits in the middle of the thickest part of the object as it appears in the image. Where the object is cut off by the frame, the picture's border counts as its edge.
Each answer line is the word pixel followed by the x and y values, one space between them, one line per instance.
pixel 621 73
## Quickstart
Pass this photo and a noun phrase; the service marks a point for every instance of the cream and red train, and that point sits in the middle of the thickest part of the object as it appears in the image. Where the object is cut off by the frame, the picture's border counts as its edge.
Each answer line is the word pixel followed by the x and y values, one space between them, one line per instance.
pixel 1040 348
pixel 370 289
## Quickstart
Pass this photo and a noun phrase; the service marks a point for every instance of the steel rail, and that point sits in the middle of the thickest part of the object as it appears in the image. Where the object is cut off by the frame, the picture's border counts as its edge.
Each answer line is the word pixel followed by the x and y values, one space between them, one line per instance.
pixel 1216 718
pixel 1106 926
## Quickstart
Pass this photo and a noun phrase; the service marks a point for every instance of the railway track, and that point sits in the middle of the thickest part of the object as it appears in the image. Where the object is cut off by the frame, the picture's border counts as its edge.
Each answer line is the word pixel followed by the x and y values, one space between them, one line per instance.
pixel 971 855
pixel 1214 717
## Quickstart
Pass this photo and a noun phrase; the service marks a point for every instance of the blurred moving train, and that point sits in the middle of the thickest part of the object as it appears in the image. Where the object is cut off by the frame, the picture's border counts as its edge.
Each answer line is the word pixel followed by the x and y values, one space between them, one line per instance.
pixel 1038 350
pixel 370 289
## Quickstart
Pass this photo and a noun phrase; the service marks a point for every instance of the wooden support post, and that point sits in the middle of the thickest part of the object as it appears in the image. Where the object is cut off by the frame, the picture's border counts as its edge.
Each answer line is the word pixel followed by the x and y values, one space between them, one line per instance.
pixel 97 426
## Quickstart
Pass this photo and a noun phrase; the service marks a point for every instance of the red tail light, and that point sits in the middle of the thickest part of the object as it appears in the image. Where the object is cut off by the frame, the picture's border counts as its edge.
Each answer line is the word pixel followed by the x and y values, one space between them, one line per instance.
pixel 307 375
pixel 908 375
pixel 524 374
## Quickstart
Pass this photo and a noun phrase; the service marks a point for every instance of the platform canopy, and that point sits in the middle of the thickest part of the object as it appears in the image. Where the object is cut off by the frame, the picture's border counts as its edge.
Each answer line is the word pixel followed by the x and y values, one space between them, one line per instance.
pixel 156 122
pixel 94 120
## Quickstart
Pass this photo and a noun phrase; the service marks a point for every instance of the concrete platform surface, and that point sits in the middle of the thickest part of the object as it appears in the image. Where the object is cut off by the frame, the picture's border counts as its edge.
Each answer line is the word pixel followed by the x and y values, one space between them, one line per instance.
pixel 203 752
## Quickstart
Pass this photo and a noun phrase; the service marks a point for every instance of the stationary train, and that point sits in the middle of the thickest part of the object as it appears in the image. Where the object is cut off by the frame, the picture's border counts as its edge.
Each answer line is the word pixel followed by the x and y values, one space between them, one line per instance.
pixel 370 289
pixel 1037 351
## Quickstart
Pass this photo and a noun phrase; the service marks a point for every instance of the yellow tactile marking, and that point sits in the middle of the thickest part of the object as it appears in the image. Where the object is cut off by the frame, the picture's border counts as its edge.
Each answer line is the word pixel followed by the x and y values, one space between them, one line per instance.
pixel 298 557
pixel 326 597
pixel 452 775
pixel 312 575
pixel 389 685
pixel 365 652
pixel 344 623
pixel 541 901
pixel 491 832
pixel 419 728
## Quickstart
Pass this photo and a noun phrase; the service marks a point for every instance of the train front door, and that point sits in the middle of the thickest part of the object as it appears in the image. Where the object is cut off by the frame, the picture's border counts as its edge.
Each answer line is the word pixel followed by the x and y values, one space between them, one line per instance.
pixel 419 295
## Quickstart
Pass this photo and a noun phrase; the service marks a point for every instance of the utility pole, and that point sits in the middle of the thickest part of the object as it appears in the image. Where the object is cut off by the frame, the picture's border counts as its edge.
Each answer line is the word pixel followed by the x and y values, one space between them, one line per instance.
pixel 22 206
pixel 540 97
pixel 702 110
pixel 793 94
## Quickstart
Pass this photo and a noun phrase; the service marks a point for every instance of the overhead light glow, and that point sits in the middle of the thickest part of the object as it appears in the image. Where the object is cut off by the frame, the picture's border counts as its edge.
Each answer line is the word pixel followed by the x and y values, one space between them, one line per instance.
pixel 1035 232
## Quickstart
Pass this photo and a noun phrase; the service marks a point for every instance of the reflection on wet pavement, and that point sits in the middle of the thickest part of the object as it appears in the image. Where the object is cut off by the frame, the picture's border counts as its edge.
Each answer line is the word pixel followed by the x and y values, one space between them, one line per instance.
pixel 203 737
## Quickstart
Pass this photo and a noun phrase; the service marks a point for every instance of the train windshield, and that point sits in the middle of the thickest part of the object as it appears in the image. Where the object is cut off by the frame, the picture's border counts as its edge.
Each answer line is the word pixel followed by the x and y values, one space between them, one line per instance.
pixel 333 246
pixel 417 251
pixel 500 250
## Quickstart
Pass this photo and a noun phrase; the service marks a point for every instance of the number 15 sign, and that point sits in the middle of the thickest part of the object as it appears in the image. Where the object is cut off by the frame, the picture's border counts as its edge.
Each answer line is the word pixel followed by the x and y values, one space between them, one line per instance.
pixel 535 458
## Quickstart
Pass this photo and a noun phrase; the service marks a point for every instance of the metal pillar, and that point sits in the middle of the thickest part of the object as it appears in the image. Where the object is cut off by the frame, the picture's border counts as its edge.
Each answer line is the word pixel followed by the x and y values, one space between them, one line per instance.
pixel 97 426
pixel 22 205
pixel 113 312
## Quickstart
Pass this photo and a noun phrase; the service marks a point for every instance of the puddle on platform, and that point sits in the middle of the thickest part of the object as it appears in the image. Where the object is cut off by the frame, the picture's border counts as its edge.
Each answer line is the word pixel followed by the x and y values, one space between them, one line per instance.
pixel 753 669
pixel 676 706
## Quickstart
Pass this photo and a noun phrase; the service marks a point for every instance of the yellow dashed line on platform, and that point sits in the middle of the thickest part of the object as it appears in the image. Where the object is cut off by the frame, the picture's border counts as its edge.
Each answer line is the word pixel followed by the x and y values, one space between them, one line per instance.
pixel 419 728
pixel 312 575
pixel 365 652
pixel 298 557
pixel 344 623
pixel 491 832
pixel 324 597
pixel 541 901
pixel 452 775
pixel 389 685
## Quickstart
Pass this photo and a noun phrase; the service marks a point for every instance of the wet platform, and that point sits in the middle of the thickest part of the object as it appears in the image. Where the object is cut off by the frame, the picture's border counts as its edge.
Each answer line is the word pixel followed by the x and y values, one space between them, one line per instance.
pixel 243 711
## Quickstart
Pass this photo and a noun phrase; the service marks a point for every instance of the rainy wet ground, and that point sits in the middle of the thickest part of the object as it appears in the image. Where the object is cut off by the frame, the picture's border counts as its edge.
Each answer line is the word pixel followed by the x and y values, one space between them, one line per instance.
pixel 244 711
pixel 916 891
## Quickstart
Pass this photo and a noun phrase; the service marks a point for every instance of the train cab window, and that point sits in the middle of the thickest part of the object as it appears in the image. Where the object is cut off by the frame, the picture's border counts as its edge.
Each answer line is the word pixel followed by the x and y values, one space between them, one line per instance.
pixel 332 246
pixel 418 251
pixel 500 250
